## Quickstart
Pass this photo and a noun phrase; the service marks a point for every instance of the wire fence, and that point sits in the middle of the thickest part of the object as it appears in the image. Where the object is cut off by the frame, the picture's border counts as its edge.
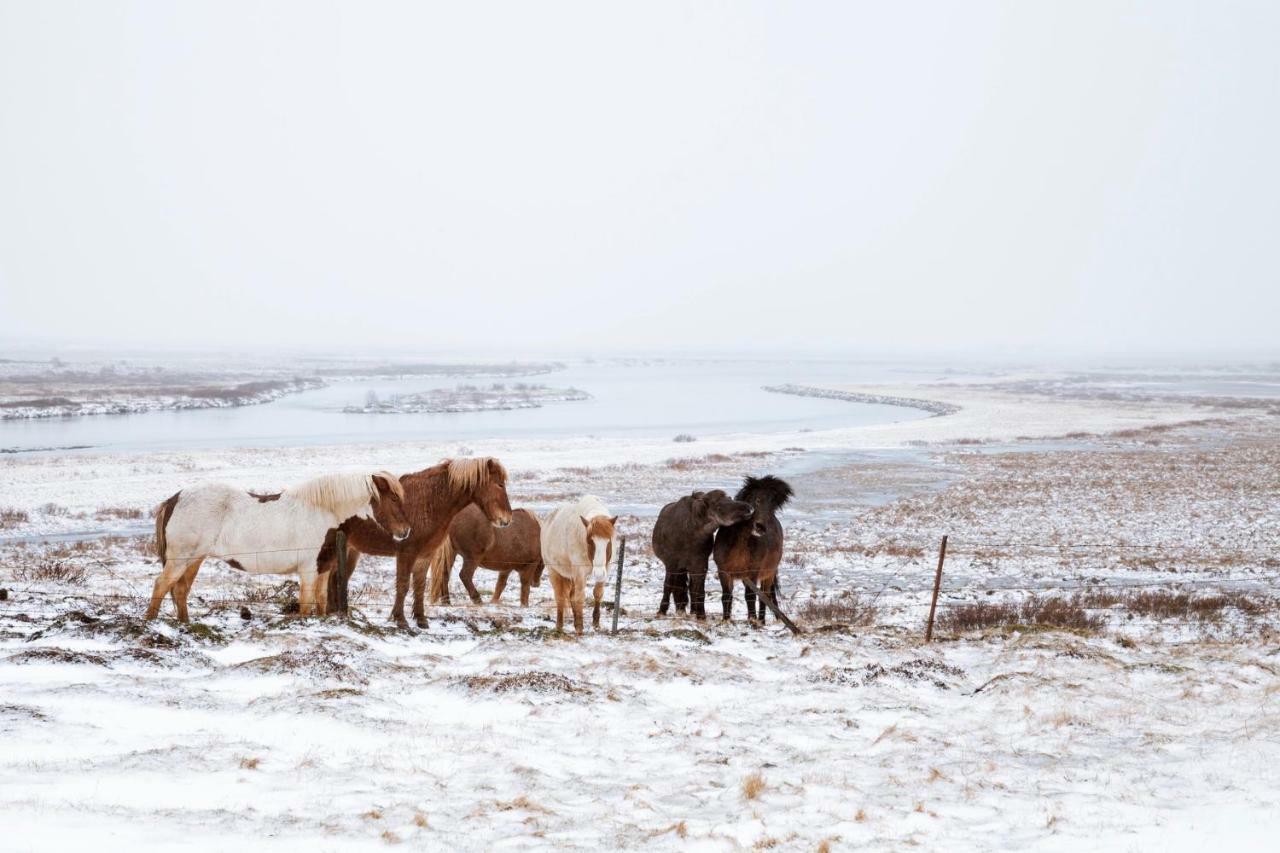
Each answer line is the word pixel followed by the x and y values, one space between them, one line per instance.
pixel 896 594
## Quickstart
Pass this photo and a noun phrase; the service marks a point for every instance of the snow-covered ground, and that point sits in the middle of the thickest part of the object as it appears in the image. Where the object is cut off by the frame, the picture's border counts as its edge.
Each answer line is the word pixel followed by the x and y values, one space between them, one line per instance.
pixel 1144 730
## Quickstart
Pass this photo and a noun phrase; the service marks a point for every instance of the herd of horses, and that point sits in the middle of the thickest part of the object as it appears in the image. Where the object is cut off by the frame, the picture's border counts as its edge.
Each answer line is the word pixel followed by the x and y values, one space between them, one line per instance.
pixel 460 507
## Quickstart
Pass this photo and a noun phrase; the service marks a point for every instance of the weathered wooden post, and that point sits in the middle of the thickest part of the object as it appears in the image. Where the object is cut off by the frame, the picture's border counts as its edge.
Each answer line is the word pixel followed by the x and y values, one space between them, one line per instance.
pixel 340 581
pixel 768 601
pixel 617 590
pixel 937 584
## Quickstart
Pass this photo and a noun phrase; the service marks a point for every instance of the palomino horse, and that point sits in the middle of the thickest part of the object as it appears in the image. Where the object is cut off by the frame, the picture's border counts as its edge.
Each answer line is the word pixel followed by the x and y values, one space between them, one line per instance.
pixel 682 538
pixel 432 497
pixel 514 548
pixel 751 549
pixel 577 545
pixel 267 534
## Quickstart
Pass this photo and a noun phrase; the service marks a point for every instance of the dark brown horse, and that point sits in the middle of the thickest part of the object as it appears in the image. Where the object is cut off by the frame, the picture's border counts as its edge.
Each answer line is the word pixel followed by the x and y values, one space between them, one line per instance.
pixel 514 548
pixel 432 498
pixel 752 549
pixel 682 538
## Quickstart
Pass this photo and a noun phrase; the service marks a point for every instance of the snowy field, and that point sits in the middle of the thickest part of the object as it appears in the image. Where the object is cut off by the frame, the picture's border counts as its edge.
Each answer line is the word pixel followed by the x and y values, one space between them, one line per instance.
pixel 1148 719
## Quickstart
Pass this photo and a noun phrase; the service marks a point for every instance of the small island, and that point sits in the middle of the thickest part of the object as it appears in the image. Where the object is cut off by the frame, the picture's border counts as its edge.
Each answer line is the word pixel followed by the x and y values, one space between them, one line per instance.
pixel 498 397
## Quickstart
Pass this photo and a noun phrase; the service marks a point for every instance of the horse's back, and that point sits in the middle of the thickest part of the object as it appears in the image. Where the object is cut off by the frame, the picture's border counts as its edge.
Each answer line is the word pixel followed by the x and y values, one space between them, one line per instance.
pixel 563 537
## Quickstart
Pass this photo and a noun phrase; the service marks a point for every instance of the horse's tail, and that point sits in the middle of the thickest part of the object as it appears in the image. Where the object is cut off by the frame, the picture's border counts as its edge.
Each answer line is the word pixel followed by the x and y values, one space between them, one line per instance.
pixel 441 567
pixel 163 513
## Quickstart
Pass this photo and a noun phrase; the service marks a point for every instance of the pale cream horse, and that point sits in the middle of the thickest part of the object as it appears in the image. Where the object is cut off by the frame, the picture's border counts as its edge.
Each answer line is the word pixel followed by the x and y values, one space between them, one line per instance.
pixel 577 544
pixel 280 533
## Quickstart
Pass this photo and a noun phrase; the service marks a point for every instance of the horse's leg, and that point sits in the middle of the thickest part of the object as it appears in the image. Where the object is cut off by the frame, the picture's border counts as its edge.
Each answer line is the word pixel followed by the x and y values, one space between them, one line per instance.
pixel 665 604
pixel 323 581
pixel 579 586
pixel 726 595
pixel 680 590
pixel 749 594
pixel 500 584
pixel 468 571
pixel 169 575
pixel 597 593
pixel 420 567
pixel 557 586
pixel 768 587
pixel 183 586
pixel 404 567
pixel 306 591
pixel 526 583
pixel 698 594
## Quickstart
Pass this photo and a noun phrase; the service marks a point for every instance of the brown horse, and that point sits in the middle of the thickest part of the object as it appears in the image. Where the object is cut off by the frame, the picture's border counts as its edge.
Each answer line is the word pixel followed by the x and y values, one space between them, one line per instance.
pixel 752 549
pixel 432 497
pixel 515 548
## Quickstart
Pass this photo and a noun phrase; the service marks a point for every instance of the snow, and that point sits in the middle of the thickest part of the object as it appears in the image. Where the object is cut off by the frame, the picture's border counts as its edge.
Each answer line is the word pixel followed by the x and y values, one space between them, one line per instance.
pixel 489 731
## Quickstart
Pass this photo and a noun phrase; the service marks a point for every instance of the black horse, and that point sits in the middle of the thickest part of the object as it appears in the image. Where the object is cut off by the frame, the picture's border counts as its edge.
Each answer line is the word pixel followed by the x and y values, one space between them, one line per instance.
pixel 682 539
pixel 752 549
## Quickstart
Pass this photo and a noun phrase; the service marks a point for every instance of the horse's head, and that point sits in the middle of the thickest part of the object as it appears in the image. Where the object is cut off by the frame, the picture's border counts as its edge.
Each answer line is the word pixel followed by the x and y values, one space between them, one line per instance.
pixel 717 508
pixel 600 535
pixel 766 495
pixel 491 495
pixel 387 506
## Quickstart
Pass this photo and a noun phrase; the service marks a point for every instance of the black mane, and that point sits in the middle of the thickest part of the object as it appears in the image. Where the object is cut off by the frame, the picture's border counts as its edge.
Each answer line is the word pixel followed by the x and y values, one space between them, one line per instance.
pixel 776 491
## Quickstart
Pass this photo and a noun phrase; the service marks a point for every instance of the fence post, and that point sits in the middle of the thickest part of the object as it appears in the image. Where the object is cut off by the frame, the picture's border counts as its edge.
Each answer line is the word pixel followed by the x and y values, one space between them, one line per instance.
pixel 768 600
pixel 342 575
pixel 937 584
pixel 617 590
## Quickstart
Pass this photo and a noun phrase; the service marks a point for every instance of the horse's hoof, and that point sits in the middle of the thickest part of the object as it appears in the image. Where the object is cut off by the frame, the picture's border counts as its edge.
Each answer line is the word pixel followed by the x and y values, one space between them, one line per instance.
pixel 421 622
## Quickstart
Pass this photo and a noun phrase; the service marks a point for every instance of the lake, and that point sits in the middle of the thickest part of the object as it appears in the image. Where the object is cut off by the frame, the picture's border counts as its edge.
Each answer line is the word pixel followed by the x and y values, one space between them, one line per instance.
pixel 653 399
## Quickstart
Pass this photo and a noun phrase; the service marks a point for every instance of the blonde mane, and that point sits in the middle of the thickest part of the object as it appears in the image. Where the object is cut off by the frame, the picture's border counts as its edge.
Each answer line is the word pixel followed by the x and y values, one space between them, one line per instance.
pixel 396 486
pixel 339 493
pixel 467 475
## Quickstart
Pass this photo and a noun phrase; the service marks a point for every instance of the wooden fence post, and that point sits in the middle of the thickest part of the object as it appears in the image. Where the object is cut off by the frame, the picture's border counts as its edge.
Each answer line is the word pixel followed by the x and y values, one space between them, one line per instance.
pixel 937 584
pixel 342 605
pixel 768 600
pixel 617 590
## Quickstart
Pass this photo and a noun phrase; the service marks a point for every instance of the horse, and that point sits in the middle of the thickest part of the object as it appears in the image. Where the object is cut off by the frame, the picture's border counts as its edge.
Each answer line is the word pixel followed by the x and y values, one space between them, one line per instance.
pixel 515 548
pixel 279 533
pixel 577 545
pixel 751 549
pixel 432 497
pixel 682 540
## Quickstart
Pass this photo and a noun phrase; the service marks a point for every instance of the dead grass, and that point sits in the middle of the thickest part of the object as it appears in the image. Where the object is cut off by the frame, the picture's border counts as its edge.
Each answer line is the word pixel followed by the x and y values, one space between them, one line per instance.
pixel 752 786
pixel 48 570
pixel 10 518
pixel 1036 611
pixel 250 763
pixel 127 513
pixel 847 608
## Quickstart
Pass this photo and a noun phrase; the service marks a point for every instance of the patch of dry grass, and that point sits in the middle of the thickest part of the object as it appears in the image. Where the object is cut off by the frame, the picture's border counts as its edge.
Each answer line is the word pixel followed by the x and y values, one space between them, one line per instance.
pixel 10 518
pixel 847 608
pixel 752 786
pixel 47 570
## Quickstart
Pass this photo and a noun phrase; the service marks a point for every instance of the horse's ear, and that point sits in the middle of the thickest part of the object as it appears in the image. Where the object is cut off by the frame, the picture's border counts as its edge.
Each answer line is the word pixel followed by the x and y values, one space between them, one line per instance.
pixel 585 523
pixel 698 495
pixel 613 521
pixel 496 471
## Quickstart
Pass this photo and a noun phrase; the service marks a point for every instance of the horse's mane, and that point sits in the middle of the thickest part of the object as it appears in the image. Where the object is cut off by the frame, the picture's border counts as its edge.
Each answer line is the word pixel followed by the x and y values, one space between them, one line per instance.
pixel 338 492
pixel 775 490
pixel 467 475
pixel 393 481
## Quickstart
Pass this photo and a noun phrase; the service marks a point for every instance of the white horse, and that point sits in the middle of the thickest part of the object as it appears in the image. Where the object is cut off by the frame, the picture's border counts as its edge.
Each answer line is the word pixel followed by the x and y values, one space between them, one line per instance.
pixel 279 533
pixel 577 545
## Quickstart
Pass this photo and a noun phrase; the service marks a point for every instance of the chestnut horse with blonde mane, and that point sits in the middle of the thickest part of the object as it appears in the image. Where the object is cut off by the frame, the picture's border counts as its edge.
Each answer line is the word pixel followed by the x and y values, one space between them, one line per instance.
pixel 432 497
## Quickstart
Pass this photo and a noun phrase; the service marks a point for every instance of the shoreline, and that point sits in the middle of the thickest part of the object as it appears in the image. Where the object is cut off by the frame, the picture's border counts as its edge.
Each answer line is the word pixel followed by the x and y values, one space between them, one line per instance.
pixel 933 407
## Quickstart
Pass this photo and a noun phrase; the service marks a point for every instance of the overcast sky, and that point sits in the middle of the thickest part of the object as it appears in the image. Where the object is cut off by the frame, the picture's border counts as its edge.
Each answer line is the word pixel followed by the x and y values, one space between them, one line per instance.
pixel 842 177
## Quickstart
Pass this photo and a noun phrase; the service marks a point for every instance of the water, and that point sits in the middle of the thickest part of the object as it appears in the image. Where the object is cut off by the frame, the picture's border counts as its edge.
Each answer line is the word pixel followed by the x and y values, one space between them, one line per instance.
pixel 629 400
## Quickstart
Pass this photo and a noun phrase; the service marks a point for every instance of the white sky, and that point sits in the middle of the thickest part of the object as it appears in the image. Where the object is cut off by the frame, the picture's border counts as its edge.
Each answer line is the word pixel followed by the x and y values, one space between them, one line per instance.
pixel 1088 177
